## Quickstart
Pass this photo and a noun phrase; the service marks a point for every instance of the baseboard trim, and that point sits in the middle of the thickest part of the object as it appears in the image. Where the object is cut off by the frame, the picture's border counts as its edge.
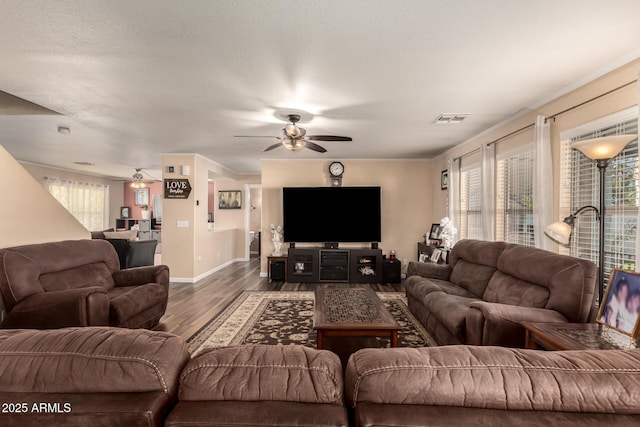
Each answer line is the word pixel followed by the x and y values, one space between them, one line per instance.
pixel 206 273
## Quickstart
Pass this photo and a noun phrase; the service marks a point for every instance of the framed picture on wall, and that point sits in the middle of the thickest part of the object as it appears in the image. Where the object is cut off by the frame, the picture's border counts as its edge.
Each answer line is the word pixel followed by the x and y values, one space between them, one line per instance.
pixel 141 196
pixel 125 212
pixel 621 308
pixel 444 179
pixel 230 199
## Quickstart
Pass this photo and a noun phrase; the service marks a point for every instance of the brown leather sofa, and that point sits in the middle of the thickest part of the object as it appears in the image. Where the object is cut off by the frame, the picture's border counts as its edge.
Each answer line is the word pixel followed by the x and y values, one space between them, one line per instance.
pixel 261 385
pixel 493 386
pixel 79 283
pixel 94 376
pixel 489 288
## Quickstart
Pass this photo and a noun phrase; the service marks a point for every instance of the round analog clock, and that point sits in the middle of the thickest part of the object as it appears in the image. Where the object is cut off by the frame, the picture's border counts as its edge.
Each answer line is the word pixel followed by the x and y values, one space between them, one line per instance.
pixel 336 169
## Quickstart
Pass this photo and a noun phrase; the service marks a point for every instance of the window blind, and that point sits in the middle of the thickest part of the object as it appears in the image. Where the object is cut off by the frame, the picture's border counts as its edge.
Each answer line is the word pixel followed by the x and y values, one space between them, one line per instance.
pixel 581 187
pixel 470 204
pixel 514 210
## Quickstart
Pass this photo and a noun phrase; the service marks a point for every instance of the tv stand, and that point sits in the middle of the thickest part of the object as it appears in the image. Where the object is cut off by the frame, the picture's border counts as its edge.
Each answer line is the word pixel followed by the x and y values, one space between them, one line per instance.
pixel 314 265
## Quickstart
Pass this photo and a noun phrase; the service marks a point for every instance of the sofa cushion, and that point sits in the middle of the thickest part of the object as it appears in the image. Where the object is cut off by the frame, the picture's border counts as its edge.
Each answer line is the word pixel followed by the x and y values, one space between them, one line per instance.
pixel 472 277
pixel 420 287
pixel 263 373
pixel 518 265
pixel 473 263
pixel 90 360
pixel 30 269
pixel 450 310
pixel 129 301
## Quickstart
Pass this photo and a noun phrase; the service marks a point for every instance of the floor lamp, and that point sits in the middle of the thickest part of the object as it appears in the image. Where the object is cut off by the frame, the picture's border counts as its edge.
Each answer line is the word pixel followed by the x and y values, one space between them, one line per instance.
pixel 601 150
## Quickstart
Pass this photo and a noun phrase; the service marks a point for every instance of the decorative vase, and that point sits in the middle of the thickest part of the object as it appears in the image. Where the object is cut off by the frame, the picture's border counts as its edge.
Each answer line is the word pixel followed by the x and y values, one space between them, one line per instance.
pixel 145 214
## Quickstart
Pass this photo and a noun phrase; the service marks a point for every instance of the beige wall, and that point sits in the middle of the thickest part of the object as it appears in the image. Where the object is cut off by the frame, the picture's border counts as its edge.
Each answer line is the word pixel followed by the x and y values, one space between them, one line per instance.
pixel 616 101
pixel 29 214
pixel 407 211
pixel 200 248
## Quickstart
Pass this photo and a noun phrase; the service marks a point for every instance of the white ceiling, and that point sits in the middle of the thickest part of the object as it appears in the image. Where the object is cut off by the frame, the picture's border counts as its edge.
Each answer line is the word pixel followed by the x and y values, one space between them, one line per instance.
pixel 134 79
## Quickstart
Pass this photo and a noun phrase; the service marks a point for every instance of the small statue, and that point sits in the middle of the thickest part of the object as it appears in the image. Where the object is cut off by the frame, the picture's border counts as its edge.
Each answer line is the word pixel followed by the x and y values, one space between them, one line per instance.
pixel 276 238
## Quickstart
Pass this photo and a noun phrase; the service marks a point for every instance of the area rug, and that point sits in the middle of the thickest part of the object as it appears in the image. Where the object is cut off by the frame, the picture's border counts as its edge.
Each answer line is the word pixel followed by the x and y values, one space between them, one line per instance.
pixel 263 317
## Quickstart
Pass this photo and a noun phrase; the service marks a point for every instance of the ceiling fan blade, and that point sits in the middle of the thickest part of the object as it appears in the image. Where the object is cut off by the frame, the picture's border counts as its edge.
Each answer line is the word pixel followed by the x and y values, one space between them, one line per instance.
pixel 255 136
pixel 315 147
pixel 271 147
pixel 328 138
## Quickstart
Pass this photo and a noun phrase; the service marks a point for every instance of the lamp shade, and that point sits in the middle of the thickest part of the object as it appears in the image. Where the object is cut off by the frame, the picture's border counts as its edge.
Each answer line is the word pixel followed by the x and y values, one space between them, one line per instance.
pixel 603 148
pixel 559 231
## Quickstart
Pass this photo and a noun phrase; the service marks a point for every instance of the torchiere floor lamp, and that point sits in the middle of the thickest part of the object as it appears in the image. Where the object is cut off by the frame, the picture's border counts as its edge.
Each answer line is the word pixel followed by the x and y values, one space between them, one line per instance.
pixel 601 150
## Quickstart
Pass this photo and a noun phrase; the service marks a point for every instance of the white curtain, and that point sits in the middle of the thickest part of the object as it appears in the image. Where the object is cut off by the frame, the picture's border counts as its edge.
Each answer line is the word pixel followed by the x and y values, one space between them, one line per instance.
pixel 638 228
pixel 88 202
pixel 542 183
pixel 454 192
pixel 488 182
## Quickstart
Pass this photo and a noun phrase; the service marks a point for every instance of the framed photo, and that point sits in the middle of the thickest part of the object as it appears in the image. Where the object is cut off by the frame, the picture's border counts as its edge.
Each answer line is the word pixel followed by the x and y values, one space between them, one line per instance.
pixel 435 255
pixel 141 196
pixel 444 179
pixel 423 258
pixel 125 212
pixel 435 232
pixel 621 307
pixel 229 199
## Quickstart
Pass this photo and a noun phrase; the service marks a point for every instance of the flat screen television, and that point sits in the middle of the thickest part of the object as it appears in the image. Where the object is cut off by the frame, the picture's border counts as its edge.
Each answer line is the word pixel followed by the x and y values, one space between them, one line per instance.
pixel 331 214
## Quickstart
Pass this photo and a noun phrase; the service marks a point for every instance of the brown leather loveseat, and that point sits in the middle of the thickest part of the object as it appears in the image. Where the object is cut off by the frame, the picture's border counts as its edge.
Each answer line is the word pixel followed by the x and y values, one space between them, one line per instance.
pixel 493 386
pixel 489 288
pixel 79 283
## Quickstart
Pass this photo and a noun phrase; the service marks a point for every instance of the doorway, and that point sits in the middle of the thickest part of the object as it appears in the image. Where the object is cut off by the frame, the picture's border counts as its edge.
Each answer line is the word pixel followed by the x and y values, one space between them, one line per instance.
pixel 253 220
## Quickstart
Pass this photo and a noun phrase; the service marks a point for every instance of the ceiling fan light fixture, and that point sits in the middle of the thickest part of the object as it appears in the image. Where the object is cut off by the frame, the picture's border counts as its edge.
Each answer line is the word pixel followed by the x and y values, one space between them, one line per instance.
pixel 138 180
pixel 293 144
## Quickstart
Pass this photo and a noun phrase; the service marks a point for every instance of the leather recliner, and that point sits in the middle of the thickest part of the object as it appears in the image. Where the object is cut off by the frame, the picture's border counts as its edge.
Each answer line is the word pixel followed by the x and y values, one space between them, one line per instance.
pixel 79 283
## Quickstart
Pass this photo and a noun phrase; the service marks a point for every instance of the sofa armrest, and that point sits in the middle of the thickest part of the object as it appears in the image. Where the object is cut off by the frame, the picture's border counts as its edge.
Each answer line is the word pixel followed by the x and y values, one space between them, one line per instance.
pixel 490 323
pixel 496 378
pixel 429 270
pixel 142 275
pixel 58 309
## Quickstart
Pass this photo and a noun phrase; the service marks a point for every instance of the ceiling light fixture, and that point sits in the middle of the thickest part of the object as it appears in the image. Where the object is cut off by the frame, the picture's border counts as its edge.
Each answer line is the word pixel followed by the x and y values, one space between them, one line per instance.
pixel 138 180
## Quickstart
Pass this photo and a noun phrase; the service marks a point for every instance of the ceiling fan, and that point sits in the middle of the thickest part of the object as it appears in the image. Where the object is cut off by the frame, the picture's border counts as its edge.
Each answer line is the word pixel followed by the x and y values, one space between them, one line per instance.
pixel 295 138
pixel 139 180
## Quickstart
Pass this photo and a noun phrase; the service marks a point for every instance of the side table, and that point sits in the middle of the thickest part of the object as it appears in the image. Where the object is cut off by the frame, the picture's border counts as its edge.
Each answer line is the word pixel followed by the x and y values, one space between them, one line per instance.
pixel 576 336
pixel 273 259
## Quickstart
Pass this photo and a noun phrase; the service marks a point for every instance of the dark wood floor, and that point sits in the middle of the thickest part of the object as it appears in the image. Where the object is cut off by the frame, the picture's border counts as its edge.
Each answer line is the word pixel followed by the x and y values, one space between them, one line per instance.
pixel 191 305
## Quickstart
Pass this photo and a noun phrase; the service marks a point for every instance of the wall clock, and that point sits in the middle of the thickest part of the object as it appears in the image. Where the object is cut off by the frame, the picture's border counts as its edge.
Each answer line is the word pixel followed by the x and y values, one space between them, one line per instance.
pixel 336 169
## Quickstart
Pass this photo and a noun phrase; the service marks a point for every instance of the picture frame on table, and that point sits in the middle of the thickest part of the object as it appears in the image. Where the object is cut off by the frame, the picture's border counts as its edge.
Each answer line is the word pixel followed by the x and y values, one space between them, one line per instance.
pixel 621 308
pixel 435 255
pixel 444 179
pixel 141 196
pixel 230 199
pixel 125 212
pixel 436 231
pixel 423 258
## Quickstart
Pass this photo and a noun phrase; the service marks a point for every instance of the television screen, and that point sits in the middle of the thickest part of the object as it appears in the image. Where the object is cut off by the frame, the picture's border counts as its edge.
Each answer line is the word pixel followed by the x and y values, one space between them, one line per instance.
pixel 331 214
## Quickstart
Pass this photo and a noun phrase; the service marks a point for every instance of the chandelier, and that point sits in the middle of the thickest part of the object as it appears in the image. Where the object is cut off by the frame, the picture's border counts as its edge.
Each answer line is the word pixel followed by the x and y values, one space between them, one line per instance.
pixel 138 180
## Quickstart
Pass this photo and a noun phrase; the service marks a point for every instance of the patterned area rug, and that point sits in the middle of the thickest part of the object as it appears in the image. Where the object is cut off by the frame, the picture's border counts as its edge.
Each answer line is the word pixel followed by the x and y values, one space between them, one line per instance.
pixel 262 317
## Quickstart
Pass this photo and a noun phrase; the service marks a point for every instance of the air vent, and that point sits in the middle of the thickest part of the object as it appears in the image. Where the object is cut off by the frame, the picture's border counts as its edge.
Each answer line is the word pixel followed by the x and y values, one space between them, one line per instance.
pixel 450 118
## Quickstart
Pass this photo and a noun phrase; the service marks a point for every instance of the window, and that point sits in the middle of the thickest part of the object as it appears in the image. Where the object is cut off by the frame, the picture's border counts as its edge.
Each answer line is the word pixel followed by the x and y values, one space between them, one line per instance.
pixel 89 203
pixel 470 204
pixel 580 187
pixel 514 210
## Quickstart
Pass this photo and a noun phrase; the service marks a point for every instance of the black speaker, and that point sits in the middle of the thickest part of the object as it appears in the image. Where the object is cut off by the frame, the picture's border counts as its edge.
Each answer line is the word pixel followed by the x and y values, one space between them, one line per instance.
pixel 277 271
pixel 391 271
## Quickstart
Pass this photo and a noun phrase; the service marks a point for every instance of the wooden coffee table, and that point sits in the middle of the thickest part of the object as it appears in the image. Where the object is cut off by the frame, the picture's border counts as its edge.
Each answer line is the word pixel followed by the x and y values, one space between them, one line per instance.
pixel 352 312
pixel 575 336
